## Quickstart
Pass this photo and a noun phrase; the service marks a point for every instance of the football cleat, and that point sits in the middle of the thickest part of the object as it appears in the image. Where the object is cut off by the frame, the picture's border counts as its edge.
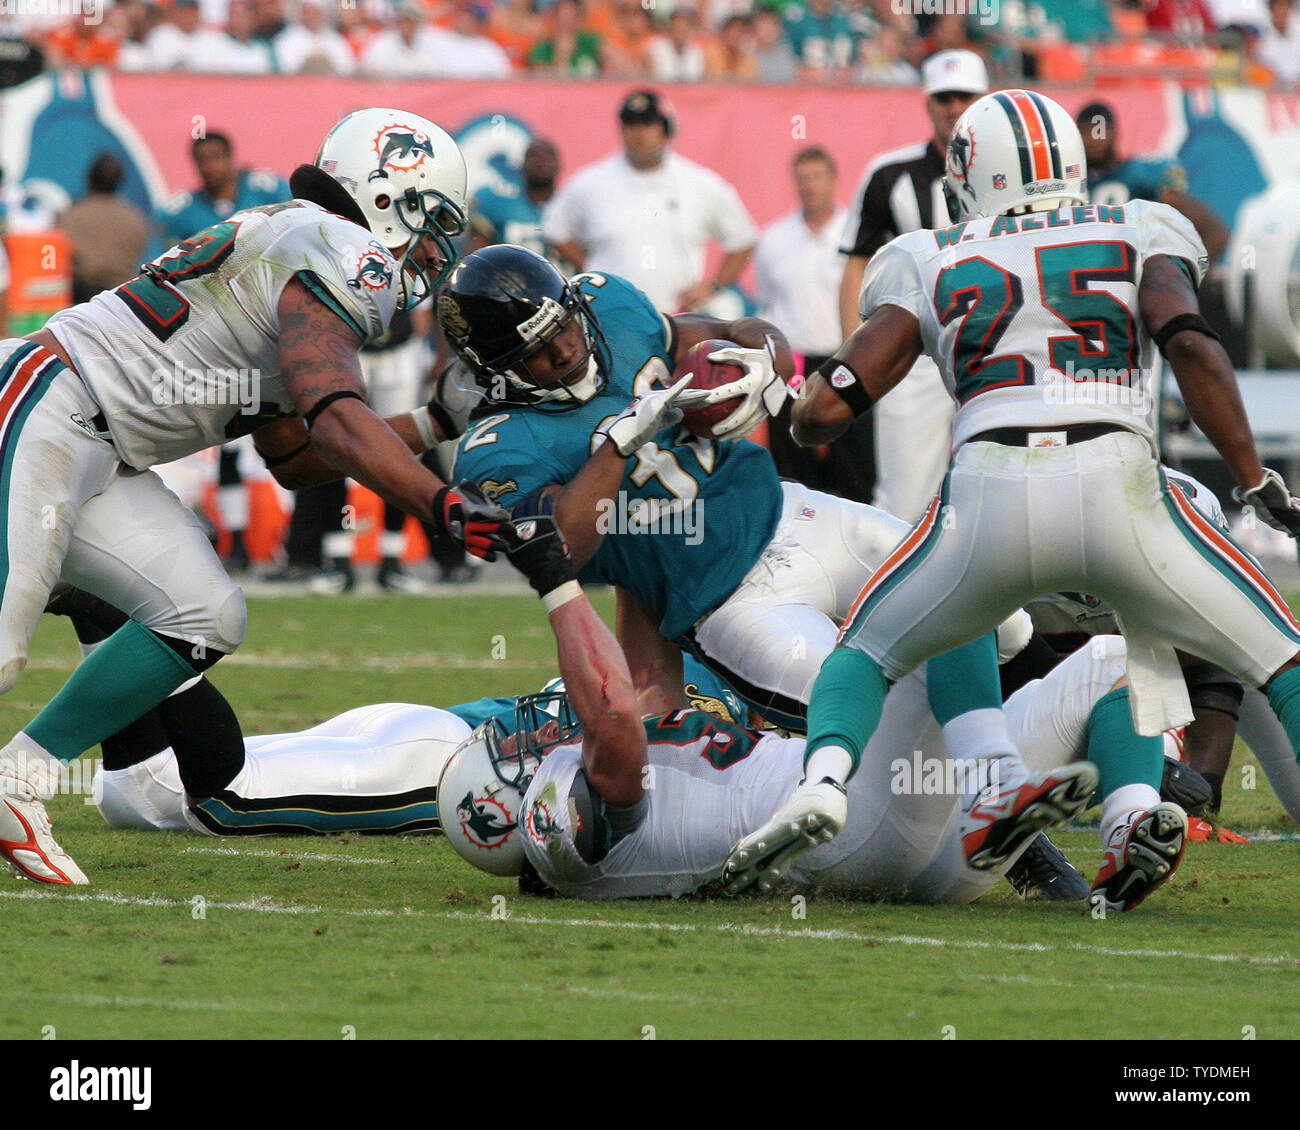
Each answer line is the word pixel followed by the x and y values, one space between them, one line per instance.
pixel 1182 785
pixel 813 815
pixel 1142 855
pixel 1042 873
pixel 1000 823
pixel 25 837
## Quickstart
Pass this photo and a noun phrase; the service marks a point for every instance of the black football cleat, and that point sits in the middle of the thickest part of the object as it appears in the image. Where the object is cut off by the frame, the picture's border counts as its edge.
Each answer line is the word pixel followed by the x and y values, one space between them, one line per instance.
pixel 1042 873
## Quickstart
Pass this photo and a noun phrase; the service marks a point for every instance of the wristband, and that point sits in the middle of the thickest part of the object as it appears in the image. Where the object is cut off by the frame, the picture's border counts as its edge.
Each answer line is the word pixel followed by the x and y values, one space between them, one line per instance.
pixel 1180 322
pixel 424 427
pixel 558 597
pixel 843 381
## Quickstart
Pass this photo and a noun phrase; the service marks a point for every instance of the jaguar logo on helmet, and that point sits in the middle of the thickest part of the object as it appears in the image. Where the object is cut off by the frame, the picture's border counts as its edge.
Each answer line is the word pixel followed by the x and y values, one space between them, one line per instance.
pixel 485 821
pixel 374 271
pixel 450 314
pixel 402 147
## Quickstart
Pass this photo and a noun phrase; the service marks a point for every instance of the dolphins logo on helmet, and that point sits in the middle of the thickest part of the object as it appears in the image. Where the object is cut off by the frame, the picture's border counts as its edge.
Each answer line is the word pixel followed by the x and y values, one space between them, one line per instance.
pixel 402 147
pixel 485 820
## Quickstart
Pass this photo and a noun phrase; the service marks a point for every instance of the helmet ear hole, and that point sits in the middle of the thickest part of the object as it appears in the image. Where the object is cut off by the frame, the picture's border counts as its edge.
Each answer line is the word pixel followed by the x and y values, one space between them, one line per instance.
pixel 383 200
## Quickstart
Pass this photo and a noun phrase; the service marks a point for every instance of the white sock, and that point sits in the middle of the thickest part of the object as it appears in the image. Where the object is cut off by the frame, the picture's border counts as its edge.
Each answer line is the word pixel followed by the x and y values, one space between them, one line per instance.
pixel 392 543
pixel 32 762
pixel 1122 805
pixel 980 738
pixel 831 761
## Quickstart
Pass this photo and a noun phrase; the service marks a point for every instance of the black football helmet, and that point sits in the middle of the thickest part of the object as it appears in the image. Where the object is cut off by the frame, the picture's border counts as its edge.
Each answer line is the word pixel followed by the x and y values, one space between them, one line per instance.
pixel 501 306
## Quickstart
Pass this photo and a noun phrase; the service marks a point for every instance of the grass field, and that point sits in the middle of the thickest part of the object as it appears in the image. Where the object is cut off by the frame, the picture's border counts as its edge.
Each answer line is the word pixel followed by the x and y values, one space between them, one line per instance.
pixel 397 938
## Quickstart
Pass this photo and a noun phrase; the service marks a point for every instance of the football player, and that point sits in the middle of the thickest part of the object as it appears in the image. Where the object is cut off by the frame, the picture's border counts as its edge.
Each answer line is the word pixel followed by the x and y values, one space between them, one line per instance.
pixel 1044 313
pixel 251 325
pixel 626 807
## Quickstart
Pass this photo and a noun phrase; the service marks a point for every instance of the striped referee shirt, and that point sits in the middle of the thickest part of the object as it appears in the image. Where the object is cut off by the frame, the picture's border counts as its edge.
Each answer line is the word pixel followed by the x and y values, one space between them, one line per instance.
pixel 900 192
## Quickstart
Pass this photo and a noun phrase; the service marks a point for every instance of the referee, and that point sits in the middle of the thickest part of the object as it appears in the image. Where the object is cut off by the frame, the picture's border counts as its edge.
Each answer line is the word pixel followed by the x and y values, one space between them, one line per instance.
pixel 900 192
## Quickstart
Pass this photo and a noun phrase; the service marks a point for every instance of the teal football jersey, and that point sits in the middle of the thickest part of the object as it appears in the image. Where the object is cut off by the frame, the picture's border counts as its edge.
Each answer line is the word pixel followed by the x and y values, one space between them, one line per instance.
pixel 1142 178
pixel 190 212
pixel 691 516
pixel 508 219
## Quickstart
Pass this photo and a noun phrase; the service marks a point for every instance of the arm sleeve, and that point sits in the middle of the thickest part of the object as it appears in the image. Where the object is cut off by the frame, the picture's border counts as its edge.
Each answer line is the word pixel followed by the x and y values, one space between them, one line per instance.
pixel 871 224
pixel 892 279
pixel 1166 231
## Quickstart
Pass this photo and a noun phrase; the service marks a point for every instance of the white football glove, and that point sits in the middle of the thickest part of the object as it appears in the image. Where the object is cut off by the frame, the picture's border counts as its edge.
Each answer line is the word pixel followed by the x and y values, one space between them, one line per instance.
pixel 646 416
pixel 763 388
pixel 455 397
pixel 1273 502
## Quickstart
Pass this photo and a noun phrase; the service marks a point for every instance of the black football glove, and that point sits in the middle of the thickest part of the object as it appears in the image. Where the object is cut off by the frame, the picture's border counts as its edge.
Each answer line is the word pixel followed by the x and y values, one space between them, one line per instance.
pixel 537 547
pixel 1273 502
pixel 472 519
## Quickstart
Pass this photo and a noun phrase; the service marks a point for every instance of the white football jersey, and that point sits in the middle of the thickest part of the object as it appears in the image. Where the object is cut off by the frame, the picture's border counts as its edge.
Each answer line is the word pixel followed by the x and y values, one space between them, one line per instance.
pixel 1065 613
pixel 187 355
pixel 1033 319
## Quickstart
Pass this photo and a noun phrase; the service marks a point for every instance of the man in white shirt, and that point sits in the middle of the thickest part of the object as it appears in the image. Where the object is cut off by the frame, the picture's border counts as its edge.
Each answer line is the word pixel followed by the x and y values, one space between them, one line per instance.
pixel 312 45
pixel 1279 48
pixel 168 46
pixel 411 48
pixel 647 214
pixel 469 53
pixel 232 52
pixel 799 267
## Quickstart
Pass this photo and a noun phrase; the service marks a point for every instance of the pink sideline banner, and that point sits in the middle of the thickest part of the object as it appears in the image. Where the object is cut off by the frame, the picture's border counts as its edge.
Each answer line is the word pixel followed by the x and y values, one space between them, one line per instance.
pixel 746 133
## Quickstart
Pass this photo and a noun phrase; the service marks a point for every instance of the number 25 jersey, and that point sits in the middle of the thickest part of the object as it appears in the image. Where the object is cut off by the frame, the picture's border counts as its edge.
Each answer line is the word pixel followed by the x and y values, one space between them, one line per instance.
pixel 188 355
pixel 1033 319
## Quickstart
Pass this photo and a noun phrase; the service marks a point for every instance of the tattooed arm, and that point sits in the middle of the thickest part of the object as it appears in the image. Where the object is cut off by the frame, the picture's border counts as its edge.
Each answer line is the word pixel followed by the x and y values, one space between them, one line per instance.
pixel 1201 367
pixel 318 356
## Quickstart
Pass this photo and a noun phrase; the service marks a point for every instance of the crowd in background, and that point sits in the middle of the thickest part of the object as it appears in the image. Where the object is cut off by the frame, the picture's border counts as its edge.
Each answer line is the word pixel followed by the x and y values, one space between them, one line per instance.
pixel 839 41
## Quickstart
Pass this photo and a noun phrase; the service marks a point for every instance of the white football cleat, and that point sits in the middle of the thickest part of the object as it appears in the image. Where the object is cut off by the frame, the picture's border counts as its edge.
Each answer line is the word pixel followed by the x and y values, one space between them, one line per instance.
pixel 1142 855
pixel 813 815
pixel 1000 823
pixel 25 837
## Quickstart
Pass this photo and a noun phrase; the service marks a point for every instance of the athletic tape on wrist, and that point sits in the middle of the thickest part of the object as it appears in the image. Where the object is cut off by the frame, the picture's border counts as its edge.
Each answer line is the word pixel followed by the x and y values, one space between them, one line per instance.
pixel 424 427
pixel 558 597
pixel 843 381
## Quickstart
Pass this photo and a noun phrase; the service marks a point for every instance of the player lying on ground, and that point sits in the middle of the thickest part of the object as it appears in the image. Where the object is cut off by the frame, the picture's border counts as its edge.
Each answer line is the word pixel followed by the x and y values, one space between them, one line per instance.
pixel 629 807
pixel 1031 305
pixel 252 325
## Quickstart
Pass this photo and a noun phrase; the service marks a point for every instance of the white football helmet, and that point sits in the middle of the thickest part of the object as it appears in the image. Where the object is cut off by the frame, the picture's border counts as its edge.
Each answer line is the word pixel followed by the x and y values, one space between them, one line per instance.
pixel 481 790
pixel 408 177
pixel 1014 150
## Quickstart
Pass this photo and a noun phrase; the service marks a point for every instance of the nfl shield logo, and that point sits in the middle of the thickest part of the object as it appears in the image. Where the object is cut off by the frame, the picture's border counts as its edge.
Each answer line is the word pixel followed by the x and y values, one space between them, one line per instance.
pixel 999 180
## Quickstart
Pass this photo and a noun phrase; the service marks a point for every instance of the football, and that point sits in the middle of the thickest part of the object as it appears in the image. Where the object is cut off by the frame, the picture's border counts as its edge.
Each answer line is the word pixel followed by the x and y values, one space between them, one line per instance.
pixel 706 374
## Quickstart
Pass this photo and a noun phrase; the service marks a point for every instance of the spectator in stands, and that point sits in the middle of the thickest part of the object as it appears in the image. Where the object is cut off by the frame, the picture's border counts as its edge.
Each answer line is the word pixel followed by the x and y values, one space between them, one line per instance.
pixel 79 43
pixel 109 235
pixel 268 19
pixel 676 56
pixel 822 38
pixel 648 214
pixel 360 23
pixel 1113 181
pixel 516 218
pixel 730 55
pixel 132 22
pixel 470 52
pixel 167 47
pixel 775 56
pixel 232 52
pixel 798 266
pixel 881 61
pixel 570 49
pixel 1080 21
pixel 627 42
pixel 1183 21
pixel 312 45
pixel 1279 47
pixel 517 27
pixel 411 48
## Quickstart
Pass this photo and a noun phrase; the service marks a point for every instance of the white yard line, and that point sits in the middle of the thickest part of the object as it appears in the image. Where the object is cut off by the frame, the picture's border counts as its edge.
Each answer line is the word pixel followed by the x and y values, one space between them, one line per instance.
pixel 267 905
pixel 290 855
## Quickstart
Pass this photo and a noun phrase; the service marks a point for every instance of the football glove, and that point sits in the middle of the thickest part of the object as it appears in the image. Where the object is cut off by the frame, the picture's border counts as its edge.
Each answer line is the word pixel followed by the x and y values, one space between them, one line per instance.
pixel 646 416
pixel 537 547
pixel 455 396
pixel 763 388
pixel 1273 502
pixel 472 519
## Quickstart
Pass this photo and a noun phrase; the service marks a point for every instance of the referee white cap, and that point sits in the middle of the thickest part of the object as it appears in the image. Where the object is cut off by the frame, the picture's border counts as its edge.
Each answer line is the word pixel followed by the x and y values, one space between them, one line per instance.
pixel 963 71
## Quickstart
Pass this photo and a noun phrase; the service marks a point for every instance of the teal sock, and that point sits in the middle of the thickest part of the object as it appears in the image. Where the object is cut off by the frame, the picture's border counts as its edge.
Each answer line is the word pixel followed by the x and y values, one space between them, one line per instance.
pixel 1121 755
pixel 847 699
pixel 130 673
pixel 1284 698
pixel 964 679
